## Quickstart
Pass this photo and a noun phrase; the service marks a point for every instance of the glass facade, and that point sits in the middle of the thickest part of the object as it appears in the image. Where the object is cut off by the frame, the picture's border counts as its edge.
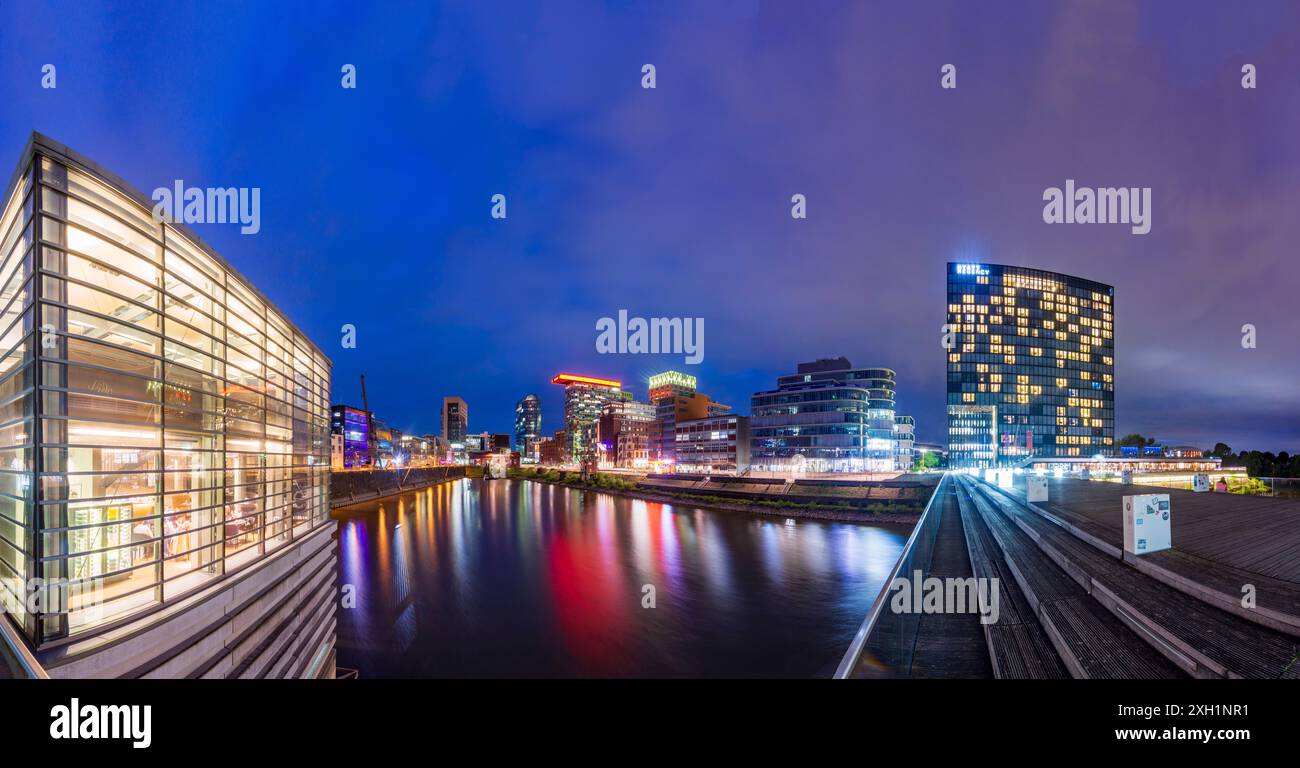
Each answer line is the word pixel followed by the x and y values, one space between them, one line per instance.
pixel 528 424
pixel 352 425
pixel 455 419
pixel 1032 367
pixel 584 398
pixel 163 425
pixel 827 417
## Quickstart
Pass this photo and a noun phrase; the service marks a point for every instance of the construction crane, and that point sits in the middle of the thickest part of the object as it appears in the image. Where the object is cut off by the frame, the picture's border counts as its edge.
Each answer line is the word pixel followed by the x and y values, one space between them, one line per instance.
pixel 370 427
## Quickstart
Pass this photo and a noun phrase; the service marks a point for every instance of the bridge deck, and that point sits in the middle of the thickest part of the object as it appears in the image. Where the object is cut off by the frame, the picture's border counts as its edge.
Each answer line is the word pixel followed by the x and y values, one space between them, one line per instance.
pixel 1201 639
pixel 1073 602
pixel 1090 640
pixel 950 645
pixel 1221 542
pixel 1019 647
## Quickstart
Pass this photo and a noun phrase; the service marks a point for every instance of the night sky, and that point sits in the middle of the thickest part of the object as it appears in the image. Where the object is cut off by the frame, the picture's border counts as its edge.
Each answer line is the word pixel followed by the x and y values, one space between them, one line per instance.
pixel 676 201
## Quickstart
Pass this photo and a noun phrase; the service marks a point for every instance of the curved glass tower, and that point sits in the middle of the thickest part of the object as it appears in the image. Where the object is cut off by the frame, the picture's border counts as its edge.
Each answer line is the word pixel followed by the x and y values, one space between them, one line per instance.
pixel 1031 367
pixel 528 424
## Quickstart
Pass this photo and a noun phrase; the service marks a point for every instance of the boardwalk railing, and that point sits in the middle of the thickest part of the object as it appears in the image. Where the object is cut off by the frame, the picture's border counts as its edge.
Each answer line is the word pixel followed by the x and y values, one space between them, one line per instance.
pixel 359 486
pixel 885 637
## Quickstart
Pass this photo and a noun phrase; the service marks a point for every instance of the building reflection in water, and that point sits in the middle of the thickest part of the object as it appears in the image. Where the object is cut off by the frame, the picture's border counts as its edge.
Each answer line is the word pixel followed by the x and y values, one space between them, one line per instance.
pixel 521 579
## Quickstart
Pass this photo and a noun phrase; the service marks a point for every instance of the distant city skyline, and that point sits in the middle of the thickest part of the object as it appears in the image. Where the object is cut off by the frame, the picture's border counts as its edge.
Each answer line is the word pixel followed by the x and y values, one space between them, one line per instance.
pixel 675 202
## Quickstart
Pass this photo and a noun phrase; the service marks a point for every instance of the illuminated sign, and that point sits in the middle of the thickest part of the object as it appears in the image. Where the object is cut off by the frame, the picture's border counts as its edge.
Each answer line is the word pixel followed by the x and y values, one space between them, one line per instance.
pixel 972 269
pixel 569 378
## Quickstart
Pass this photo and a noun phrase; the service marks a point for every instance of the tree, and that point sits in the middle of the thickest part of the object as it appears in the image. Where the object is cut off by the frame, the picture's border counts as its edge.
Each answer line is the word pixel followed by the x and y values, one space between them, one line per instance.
pixel 928 460
pixel 1136 439
pixel 1221 450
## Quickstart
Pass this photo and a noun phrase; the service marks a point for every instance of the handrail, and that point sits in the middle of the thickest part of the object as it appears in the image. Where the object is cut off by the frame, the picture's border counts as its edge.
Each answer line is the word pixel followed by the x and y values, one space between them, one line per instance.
pixel 17 649
pixel 854 653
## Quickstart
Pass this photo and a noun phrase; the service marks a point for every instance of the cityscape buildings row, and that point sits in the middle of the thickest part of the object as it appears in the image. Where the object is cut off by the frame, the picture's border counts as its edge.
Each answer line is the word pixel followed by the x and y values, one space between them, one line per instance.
pixel 1030 374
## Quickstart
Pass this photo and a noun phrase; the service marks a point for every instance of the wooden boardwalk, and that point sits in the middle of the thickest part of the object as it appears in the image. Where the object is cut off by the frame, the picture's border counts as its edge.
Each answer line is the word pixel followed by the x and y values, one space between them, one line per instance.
pixel 1221 543
pixel 950 644
pixel 1252 533
pixel 1073 603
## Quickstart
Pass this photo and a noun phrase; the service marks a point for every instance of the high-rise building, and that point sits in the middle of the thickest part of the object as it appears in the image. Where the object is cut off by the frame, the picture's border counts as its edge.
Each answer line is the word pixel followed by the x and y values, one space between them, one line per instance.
pixel 455 419
pixel 623 432
pixel 826 417
pixel 674 397
pixel 528 426
pixel 1031 370
pixel 168 444
pixel 584 397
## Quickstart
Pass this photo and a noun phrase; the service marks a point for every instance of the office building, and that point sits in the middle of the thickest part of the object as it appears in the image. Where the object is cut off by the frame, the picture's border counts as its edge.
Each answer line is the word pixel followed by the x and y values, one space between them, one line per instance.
pixel 904 442
pixel 455 420
pixel 584 397
pixel 826 417
pixel 528 426
pixel 167 451
pixel 713 444
pixel 623 433
pixel 352 425
pixel 675 398
pixel 1031 371
pixel 550 450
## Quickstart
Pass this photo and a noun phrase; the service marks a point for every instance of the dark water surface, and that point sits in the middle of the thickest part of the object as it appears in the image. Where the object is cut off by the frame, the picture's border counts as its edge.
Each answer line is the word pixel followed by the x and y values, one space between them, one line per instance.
pixel 522 579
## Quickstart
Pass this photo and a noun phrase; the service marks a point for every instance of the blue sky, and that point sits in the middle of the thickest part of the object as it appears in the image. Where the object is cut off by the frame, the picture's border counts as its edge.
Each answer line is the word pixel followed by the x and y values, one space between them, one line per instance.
pixel 675 201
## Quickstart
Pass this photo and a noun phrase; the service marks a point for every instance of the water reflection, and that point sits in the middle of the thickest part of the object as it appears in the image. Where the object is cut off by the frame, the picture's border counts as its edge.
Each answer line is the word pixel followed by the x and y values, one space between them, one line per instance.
pixel 514 578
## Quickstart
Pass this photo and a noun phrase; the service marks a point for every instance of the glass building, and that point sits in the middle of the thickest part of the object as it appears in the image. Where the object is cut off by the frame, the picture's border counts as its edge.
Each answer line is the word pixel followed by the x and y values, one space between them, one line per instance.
pixel 163 426
pixel 352 425
pixel 528 425
pixel 455 419
pixel 584 398
pixel 826 417
pixel 1031 371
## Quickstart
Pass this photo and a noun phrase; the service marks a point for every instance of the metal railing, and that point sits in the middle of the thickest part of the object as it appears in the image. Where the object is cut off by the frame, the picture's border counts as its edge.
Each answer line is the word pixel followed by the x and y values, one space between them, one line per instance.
pixel 889 638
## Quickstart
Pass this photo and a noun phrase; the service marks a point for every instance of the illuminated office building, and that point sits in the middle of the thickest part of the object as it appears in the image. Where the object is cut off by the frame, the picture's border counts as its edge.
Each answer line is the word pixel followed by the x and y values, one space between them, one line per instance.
pixel 623 433
pixel 826 417
pixel 674 397
pixel 584 398
pixel 904 442
pixel 528 426
pixel 352 427
pixel 713 444
pixel 1031 371
pixel 455 419
pixel 165 439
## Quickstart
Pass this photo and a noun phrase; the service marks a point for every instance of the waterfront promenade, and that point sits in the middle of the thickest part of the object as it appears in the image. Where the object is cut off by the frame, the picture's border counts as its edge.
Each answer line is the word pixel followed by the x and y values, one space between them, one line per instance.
pixel 1073 603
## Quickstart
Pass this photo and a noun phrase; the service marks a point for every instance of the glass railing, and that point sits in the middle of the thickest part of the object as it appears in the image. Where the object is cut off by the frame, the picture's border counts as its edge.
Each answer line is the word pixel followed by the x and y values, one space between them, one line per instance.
pixel 883 645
